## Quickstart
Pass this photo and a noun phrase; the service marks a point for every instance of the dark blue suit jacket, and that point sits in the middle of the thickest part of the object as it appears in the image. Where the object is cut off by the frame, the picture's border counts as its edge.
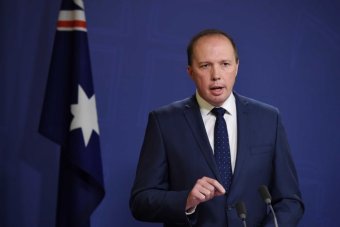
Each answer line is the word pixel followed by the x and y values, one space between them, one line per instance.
pixel 176 153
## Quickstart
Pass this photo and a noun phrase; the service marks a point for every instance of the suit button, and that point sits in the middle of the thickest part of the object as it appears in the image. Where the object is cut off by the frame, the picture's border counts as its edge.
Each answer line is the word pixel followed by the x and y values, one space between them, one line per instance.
pixel 229 208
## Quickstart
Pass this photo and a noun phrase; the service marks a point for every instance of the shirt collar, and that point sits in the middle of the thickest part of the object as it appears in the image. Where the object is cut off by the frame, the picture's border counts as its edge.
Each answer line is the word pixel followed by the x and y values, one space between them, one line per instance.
pixel 229 105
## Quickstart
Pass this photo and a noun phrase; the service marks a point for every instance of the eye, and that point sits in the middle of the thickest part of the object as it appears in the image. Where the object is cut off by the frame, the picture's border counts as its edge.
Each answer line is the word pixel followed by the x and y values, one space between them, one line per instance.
pixel 225 64
pixel 204 66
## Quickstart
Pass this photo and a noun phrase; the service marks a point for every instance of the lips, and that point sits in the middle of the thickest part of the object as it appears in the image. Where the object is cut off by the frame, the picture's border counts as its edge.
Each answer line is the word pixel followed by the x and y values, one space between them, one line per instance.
pixel 217 90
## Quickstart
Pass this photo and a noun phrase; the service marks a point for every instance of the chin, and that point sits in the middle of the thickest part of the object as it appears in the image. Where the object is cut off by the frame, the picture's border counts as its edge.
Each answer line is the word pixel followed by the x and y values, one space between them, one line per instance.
pixel 216 102
pixel 219 101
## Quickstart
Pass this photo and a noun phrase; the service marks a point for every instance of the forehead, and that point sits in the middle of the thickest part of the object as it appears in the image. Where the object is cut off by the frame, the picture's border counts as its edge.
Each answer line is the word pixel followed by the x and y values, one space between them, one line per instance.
pixel 212 36
pixel 211 39
pixel 215 43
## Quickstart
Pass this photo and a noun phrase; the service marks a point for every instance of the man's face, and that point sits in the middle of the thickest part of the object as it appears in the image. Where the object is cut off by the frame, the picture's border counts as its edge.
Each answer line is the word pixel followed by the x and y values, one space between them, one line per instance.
pixel 213 68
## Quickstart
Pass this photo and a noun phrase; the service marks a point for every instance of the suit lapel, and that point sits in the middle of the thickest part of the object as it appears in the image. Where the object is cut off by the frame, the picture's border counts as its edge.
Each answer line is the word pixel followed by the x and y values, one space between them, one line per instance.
pixel 243 133
pixel 195 122
pixel 193 116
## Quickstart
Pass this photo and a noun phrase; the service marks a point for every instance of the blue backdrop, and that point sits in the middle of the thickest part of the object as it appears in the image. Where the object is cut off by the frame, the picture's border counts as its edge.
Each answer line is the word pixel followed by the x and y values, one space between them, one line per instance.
pixel 289 57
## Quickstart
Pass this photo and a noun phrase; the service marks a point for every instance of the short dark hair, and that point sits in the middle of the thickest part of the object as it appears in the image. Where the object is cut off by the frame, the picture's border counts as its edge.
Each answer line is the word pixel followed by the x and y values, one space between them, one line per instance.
pixel 208 32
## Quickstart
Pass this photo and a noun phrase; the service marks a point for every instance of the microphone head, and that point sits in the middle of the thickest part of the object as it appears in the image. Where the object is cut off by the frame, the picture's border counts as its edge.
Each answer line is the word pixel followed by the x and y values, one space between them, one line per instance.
pixel 263 190
pixel 241 210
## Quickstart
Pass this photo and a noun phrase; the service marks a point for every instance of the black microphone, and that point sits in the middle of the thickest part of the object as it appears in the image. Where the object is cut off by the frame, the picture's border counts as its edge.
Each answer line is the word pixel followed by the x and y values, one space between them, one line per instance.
pixel 242 212
pixel 263 190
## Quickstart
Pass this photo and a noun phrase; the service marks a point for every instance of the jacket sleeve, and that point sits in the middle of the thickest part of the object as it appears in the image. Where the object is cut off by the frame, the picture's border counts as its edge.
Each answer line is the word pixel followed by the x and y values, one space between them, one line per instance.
pixel 151 200
pixel 284 189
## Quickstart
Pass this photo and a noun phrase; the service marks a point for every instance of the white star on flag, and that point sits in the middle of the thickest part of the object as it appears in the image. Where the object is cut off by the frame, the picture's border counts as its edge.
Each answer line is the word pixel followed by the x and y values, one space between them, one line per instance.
pixel 85 115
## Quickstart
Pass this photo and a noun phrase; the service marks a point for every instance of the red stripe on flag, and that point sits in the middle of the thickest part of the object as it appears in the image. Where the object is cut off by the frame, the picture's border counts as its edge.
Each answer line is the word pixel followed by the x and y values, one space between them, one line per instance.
pixel 71 24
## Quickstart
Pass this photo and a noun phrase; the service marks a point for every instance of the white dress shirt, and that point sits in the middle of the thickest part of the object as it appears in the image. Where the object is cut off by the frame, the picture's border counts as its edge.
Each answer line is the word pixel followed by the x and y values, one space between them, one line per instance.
pixel 230 117
pixel 209 120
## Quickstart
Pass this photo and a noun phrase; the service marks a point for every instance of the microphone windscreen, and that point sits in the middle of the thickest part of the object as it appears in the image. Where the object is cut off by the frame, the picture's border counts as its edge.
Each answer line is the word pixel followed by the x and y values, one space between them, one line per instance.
pixel 241 210
pixel 263 190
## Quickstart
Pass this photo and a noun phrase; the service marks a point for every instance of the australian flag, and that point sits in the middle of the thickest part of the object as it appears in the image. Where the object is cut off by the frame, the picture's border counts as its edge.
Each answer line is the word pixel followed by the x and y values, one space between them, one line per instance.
pixel 69 118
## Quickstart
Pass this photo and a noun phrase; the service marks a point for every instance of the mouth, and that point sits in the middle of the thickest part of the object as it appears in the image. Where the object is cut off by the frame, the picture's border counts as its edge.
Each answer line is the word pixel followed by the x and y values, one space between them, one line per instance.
pixel 217 90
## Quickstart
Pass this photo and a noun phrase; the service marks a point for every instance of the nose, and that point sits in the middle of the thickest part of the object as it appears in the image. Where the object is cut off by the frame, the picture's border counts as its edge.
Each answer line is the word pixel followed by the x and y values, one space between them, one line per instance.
pixel 216 77
pixel 215 74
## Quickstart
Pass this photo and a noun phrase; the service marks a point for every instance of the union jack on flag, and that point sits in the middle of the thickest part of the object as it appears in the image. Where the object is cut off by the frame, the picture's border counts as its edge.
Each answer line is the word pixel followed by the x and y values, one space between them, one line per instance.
pixel 69 118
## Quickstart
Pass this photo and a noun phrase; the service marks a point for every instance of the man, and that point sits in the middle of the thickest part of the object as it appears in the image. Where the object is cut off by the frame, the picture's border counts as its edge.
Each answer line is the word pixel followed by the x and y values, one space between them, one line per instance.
pixel 181 179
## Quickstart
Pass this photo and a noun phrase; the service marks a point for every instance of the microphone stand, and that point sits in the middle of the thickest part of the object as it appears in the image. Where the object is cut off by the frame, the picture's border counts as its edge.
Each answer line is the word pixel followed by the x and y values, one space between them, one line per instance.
pixel 274 215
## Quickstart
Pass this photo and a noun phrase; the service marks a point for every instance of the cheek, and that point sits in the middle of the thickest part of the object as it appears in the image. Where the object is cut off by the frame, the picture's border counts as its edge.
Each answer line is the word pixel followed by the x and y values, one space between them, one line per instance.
pixel 199 79
pixel 232 74
pixel 204 82
pixel 230 79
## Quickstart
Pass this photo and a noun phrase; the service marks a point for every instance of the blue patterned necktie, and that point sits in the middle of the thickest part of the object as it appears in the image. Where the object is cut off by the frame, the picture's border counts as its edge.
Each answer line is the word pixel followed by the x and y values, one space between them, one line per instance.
pixel 221 148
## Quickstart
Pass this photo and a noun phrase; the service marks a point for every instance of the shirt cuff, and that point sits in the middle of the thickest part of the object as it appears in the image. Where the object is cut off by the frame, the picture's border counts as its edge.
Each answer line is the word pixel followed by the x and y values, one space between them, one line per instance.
pixel 190 211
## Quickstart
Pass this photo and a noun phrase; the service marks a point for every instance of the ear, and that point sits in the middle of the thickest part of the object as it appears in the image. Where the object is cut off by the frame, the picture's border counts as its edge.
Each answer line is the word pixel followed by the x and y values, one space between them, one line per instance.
pixel 238 63
pixel 189 71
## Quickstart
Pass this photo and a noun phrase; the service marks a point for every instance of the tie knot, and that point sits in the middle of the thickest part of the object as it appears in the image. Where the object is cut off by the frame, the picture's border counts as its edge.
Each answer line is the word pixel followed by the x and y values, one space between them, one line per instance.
pixel 218 112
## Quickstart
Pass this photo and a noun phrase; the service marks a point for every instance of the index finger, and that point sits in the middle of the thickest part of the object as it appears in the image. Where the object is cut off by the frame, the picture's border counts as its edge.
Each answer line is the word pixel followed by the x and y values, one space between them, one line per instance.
pixel 216 184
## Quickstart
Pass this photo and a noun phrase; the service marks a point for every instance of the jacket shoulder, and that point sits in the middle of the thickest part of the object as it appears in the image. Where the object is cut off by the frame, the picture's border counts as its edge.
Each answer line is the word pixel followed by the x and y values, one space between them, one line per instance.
pixel 177 106
pixel 255 105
